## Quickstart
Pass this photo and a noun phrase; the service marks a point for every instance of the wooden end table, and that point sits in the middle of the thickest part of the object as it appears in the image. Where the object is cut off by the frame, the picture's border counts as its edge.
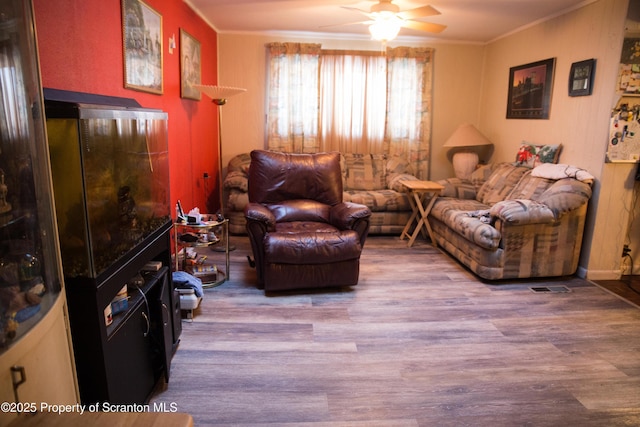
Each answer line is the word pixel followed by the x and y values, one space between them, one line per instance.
pixel 422 196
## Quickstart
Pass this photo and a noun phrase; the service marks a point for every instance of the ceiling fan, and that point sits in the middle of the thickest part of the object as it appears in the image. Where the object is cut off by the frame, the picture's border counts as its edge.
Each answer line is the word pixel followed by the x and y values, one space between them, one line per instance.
pixel 386 19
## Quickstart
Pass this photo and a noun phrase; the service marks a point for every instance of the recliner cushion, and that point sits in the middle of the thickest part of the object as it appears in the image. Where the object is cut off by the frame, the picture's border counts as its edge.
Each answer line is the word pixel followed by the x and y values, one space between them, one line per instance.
pixel 311 247
pixel 300 210
pixel 274 177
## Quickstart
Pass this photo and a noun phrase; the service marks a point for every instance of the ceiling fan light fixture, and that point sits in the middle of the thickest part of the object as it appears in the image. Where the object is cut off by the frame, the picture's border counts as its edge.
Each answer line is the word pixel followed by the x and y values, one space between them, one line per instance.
pixel 385 28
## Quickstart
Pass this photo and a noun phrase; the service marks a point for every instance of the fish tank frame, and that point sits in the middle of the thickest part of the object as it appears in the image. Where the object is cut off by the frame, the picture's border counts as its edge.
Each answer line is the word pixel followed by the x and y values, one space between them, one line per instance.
pixel 110 168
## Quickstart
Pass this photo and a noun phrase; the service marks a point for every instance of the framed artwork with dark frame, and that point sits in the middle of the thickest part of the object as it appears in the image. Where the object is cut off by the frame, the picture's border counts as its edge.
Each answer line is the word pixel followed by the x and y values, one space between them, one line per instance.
pixel 581 77
pixel 530 90
pixel 190 65
pixel 142 43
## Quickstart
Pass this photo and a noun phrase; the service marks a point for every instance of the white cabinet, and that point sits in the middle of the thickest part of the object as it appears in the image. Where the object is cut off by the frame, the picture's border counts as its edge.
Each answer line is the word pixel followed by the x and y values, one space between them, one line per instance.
pixel 36 362
pixel 45 359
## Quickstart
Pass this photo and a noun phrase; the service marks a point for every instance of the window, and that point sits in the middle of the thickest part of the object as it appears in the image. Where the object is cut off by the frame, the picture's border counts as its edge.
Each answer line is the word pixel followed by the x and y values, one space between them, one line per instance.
pixel 292 110
pixel 353 98
pixel 350 101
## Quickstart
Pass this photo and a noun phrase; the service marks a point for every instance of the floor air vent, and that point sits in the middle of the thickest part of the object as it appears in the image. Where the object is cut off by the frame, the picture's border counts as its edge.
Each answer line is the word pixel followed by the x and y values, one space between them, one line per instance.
pixel 549 289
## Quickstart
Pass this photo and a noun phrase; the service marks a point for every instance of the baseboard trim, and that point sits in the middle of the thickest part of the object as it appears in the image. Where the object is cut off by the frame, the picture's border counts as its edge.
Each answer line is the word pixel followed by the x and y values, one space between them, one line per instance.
pixel 601 275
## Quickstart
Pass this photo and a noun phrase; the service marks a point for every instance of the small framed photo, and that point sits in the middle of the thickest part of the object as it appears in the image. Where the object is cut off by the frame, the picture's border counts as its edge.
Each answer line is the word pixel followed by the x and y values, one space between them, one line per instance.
pixel 530 90
pixel 581 77
pixel 190 63
pixel 142 39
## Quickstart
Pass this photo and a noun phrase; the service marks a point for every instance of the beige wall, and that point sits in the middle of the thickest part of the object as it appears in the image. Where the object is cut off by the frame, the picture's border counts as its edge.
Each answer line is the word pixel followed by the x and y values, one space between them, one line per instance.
pixel 580 124
pixel 470 85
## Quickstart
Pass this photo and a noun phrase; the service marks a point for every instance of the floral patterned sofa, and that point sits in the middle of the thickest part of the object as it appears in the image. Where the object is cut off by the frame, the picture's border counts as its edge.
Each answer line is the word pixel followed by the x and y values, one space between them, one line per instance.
pixel 511 221
pixel 368 179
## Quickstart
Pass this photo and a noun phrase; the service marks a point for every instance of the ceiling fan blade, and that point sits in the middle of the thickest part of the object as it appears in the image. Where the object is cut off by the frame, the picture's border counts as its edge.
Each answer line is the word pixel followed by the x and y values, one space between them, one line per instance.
pixel 355 9
pixel 424 26
pixel 346 23
pixel 418 12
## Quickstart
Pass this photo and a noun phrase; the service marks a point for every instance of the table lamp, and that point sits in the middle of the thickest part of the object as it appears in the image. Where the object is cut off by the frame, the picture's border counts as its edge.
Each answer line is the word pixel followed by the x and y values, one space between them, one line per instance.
pixel 465 159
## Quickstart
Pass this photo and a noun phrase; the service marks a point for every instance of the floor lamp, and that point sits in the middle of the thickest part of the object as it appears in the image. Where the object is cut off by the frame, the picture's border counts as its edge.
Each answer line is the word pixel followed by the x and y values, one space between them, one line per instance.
pixel 219 95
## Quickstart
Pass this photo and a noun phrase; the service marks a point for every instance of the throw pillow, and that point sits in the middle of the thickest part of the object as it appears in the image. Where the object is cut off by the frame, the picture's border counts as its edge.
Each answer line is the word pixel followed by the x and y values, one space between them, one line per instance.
pixel 365 172
pixel 481 174
pixel 503 179
pixel 398 164
pixel 531 155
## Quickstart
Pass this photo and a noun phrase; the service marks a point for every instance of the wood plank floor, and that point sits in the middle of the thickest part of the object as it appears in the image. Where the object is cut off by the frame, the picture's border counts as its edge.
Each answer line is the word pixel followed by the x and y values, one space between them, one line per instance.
pixel 628 287
pixel 419 342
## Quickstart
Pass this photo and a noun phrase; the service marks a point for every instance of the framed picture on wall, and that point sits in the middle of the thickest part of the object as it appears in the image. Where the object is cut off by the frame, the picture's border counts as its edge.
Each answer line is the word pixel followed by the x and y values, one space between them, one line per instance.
pixel 190 65
pixel 530 90
pixel 581 77
pixel 142 40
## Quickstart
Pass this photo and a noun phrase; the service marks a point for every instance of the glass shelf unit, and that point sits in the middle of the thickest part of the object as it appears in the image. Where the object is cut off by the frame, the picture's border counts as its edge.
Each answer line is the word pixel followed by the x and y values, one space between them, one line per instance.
pixel 211 234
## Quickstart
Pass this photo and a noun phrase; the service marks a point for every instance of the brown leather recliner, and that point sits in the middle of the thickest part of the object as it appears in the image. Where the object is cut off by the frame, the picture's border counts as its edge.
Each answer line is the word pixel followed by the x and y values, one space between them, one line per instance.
pixel 302 234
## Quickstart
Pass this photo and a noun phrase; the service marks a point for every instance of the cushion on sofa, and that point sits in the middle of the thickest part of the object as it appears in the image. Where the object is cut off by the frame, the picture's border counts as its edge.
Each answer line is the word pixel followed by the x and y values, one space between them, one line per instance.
pixel 467 218
pixel 364 171
pixel 237 180
pixel 522 211
pixel 398 165
pixel 398 169
pixel 394 181
pixel 458 188
pixel 240 163
pixel 379 200
pixel 501 182
pixel 529 187
pixel 467 189
pixel 482 173
pixel 565 195
pixel 237 200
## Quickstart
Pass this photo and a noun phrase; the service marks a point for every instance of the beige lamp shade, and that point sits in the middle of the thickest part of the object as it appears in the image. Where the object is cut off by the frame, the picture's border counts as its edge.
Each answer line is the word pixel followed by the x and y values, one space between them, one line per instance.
pixel 465 159
pixel 467 136
pixel 219 93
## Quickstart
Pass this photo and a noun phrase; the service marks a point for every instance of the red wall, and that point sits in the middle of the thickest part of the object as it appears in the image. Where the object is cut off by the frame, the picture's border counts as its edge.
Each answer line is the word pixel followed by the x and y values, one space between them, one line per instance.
pixel 80 46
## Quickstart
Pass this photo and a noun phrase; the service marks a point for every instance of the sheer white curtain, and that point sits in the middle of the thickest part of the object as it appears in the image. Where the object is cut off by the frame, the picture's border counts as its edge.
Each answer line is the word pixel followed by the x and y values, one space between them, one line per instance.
pixel 408 115
pixel 352 101
pixel 292 110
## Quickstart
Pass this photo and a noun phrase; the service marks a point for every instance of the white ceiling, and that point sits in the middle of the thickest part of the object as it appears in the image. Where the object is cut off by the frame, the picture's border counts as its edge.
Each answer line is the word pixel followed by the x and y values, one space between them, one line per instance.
pixel 466 20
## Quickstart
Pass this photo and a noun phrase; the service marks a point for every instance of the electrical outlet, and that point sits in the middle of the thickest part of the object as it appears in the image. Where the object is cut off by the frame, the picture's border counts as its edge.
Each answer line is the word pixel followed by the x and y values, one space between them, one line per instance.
pixel 626 250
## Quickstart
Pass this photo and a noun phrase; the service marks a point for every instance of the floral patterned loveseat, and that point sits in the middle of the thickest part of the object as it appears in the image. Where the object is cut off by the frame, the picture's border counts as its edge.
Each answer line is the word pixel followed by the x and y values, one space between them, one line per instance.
pixel 369 179
pixel 512 221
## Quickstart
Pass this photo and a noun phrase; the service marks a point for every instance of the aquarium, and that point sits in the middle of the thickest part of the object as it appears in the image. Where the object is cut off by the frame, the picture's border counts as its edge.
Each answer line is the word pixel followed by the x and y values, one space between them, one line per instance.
pixel 110 171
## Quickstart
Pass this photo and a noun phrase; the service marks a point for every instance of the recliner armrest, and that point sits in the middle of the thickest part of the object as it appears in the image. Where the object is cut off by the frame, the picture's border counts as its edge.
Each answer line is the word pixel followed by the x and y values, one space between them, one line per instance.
pixel 344 214
pixel 259 213
pixel 351 216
